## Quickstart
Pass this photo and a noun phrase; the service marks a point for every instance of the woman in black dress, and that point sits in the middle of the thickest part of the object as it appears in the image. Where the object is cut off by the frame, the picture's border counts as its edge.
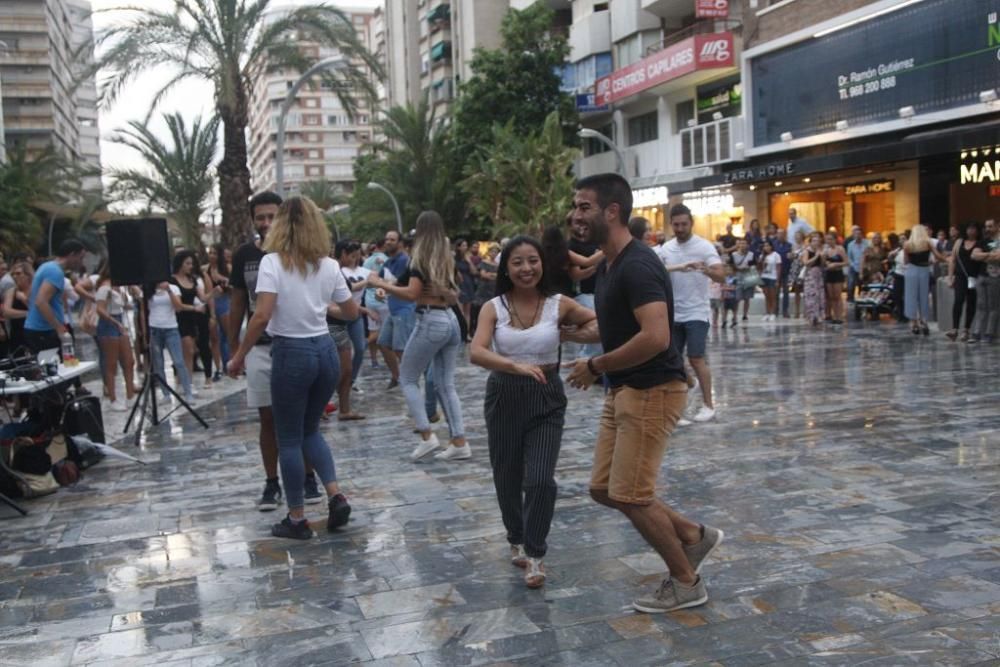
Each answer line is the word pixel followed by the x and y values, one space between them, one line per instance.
pixel 963 277
pixel 835 258
pixel 193 324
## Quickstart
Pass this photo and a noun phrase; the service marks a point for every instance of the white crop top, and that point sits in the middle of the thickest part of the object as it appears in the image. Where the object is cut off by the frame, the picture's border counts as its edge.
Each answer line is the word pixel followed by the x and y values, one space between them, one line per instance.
pixel 538 345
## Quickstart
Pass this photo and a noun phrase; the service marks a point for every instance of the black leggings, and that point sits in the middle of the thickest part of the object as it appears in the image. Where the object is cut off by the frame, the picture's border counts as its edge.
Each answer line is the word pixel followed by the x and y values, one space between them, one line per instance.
pixel 204 344
pixel 963 297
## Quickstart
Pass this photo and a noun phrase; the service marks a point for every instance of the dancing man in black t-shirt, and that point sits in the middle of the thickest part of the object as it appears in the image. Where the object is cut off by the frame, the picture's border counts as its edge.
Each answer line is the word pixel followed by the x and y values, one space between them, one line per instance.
pixel 243 281
pixel 634 306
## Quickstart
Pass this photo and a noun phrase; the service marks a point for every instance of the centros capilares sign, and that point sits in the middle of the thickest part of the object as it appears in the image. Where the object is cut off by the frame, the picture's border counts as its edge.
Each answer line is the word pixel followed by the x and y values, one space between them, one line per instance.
pixel 699 52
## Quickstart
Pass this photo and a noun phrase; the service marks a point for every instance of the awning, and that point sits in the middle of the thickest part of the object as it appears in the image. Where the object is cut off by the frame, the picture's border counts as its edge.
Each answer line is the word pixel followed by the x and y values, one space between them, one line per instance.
pixel 440 13
pixel 441 50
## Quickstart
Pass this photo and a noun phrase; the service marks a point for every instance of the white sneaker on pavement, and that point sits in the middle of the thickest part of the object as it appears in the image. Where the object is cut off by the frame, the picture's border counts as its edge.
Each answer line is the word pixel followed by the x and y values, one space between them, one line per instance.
pixel 705 414
pixel 684 422
pixel 453 453
pixel 425 447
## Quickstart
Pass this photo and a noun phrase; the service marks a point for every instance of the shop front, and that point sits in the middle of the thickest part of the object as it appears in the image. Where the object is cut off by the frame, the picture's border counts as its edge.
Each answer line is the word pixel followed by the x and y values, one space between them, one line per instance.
pixel 715 208
pixel 962 186
pixel 876 199
pixel 653 204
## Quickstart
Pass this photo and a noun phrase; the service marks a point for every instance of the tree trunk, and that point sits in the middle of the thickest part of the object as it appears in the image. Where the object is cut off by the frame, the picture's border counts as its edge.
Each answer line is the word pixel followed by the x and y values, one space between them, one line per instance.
pixel 234 177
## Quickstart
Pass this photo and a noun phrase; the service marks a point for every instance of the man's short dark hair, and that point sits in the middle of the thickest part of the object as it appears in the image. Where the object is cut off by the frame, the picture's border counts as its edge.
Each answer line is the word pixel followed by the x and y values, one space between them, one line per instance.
pixel 610 189
pixel 70 247
pixel 264 198
pixel 637 227
pixel 680 209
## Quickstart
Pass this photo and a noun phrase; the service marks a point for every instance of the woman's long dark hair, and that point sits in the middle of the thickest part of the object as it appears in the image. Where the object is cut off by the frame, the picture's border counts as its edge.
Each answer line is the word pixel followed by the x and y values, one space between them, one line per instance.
pixel 504 282
pixel 555 254
pixel 964 230
pixel 220 260
pixel 179 259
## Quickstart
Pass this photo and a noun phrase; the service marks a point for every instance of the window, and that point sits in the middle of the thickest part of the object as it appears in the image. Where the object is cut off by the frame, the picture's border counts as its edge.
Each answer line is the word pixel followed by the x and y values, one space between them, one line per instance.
pixel 683 112
pixel 642 128
pixel 593 146
pixel 600 6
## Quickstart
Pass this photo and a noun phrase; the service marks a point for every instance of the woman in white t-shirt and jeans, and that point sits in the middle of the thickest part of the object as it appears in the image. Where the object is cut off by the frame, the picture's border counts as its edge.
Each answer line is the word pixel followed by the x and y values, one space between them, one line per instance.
pixel 164 305
pixel 770 271
pixel 112 336
pixel 296 283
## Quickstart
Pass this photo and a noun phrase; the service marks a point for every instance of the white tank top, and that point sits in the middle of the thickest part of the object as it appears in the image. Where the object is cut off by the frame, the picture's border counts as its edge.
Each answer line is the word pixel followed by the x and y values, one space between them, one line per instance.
pixel 538 345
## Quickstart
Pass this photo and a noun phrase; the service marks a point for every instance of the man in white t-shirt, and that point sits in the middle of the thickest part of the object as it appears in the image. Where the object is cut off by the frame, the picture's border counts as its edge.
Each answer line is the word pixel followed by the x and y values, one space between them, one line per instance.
pixel 693 263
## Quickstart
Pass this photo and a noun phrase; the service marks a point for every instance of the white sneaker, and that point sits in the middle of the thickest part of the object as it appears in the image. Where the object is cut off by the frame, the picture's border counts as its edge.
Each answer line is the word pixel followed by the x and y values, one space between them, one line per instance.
pixel 705 414
pixel 693 398
pixel 356 389
pixel 118 405
pixel 683 422
pixel 425 447
pixel 194 392
pixel 453 453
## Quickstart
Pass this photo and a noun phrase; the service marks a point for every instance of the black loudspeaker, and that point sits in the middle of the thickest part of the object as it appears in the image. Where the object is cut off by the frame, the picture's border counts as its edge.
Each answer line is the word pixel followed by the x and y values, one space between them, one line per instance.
pixel 138 251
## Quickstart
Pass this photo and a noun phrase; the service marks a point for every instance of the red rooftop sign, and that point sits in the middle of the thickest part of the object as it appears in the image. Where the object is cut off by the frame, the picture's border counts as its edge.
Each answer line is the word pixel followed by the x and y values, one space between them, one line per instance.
pixel 699 52
pixel 711 9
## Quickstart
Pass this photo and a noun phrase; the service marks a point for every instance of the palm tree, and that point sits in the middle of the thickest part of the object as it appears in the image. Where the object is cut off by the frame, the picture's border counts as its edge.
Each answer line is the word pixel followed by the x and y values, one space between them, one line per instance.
pixel 28 181
pixel 225 42
pixel 179 179
pixel 323 193
pixel 417 162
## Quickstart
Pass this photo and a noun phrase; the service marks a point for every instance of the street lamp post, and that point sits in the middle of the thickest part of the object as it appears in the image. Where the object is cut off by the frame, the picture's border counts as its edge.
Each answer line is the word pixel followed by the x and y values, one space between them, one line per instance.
pixel 587 133
pixel 372 185
pixel 279 160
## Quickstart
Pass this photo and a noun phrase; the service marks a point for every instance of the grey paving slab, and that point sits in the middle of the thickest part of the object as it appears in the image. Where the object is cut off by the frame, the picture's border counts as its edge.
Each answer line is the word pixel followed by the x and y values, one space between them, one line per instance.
pixel 853 471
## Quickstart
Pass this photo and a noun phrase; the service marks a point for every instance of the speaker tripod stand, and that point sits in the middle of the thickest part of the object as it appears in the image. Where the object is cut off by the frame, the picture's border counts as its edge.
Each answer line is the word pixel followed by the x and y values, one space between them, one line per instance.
pixel 153 381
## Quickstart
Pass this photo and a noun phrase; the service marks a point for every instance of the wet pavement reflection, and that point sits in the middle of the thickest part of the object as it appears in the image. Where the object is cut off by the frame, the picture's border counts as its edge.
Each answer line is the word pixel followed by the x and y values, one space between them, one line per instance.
pixel 855 472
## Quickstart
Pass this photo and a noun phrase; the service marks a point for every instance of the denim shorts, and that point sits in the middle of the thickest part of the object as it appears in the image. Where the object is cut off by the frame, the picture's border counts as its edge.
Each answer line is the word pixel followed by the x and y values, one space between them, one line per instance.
pixel 396 330
pixel 106 329
pixel 690 336
pixel 768 282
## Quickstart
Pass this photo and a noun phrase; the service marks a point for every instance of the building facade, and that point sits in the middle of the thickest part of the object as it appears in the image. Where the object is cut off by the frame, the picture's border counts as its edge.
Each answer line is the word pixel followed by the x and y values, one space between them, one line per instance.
pixel 432 42
pixel 321 139
pixel 41 106
pixel 880 114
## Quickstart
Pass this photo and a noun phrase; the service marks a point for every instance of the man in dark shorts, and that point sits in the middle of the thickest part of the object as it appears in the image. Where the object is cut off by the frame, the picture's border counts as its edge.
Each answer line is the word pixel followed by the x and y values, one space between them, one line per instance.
pixel 634 306
pixel 243 281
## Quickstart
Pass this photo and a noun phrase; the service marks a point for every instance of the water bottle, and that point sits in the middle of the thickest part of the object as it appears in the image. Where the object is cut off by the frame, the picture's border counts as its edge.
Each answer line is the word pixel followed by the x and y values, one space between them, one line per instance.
pixel 68 351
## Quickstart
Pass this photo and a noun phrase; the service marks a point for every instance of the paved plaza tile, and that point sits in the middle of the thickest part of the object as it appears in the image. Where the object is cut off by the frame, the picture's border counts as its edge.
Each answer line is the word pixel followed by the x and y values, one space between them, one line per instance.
pixel 856 474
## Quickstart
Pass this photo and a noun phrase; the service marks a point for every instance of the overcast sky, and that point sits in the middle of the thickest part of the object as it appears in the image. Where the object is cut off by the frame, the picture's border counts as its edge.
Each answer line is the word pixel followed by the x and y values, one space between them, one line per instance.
pixel 191 98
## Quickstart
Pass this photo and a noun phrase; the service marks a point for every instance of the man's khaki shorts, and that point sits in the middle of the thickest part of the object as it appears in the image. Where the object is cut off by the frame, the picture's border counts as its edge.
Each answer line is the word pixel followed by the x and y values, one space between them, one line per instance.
pixel 635 425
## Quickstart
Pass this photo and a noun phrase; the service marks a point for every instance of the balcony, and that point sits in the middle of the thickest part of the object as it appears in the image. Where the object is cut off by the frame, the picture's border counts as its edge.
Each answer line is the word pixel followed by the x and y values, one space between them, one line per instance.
pixel 441 52
pixel 590 35
pixel 674 11
pixel 438 15
pixel 700 28
pixel 711 143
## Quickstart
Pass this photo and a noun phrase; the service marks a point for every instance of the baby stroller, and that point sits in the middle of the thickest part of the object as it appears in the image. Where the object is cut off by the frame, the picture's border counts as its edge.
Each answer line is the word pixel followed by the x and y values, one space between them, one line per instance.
pixel 875 298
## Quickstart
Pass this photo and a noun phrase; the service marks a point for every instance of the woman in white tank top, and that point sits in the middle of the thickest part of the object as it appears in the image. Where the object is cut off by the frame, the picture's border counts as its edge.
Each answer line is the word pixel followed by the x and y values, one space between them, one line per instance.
pixel 518 338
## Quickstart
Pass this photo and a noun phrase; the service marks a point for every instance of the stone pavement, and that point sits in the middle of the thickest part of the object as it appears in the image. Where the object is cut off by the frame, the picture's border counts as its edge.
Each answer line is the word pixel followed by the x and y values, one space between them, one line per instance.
pixel 855 473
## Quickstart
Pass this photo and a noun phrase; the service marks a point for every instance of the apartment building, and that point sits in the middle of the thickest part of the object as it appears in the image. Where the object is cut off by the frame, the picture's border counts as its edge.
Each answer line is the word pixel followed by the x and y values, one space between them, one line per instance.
pixel 659 78
pixel 432 43
pixel 877 113
pixel 41 107
pixel 321 139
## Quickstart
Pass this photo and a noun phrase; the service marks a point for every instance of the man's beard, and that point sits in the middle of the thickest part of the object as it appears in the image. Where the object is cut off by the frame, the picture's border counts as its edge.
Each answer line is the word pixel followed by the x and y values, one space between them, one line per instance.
pixel 599 231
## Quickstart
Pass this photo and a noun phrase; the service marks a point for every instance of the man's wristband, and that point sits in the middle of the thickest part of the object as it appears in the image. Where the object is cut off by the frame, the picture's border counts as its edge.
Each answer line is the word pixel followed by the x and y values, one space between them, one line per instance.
pixel 590 367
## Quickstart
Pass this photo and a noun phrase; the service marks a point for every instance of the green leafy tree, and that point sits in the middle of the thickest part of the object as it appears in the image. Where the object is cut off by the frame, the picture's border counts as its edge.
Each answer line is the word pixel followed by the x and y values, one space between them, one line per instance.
pixel 522 182
pixel 32 186
pixel 225 42
pixel 418 163
pixel 518 83
pixel 178 179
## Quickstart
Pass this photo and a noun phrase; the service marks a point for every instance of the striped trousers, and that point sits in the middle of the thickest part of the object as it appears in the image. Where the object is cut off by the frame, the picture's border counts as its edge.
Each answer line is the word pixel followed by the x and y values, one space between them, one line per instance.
pixel 524 424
